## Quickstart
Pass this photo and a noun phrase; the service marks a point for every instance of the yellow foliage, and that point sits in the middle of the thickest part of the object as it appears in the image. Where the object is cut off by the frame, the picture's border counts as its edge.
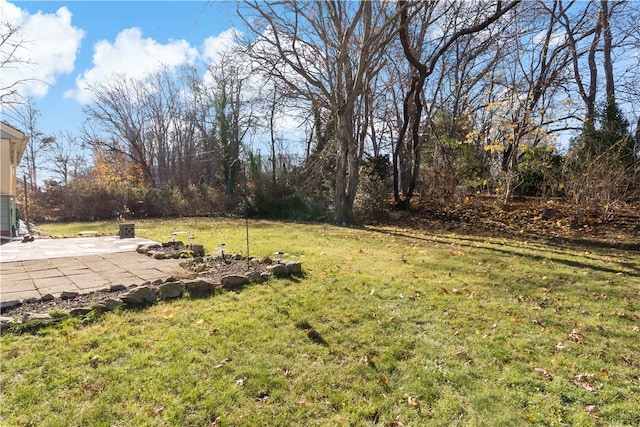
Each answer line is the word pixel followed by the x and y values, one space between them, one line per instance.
pixel 114 171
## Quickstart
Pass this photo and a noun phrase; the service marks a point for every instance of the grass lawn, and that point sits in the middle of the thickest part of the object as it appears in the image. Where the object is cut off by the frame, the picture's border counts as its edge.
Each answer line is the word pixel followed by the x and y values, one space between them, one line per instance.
pixel 389 326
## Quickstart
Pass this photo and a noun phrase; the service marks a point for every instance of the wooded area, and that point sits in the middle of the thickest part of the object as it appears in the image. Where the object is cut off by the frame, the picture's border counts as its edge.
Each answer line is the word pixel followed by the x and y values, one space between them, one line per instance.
pixel 399 104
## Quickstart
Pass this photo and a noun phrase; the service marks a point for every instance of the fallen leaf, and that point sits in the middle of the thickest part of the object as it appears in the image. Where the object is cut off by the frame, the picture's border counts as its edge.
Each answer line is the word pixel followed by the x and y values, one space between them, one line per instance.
pixel 223 362
pixel 240 381
pixel 560 346
pixel 200 323
pixel 580 380
pixel 215 423
pixel 167 314
pixel 575 336
pixel 411 401
pixel 94 361
pixel 592 410
pixel 156 411
pixel 628 359
pixel 544 373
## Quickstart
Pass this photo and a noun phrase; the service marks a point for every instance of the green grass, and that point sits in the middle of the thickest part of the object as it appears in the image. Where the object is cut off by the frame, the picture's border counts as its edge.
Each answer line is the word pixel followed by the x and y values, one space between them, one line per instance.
pixel 387 326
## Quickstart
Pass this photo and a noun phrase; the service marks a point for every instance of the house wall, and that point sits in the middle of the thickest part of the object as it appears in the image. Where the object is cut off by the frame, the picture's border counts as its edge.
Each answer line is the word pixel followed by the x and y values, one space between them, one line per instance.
pixel 12 146
pixel 7 190
pixel 6 170
pixel 5 215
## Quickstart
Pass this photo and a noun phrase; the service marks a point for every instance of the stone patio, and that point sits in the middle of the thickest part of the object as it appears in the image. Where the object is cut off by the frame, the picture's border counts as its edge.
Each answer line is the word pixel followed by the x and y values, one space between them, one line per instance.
pixel 84 265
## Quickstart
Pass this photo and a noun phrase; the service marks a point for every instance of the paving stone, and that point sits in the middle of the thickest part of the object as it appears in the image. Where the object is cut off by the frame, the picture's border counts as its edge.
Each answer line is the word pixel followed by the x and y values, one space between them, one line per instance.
pixel 36 265
pixel 49 282
pixel 45 274
pixel 12 267
pixel 70 271
pixel 150 274
pixel 16 286
pixel 50 266
pixel 85 277
pixel 20 295
pixel 67 263
pixel 9 277
pixel 127 278
pixel 91 286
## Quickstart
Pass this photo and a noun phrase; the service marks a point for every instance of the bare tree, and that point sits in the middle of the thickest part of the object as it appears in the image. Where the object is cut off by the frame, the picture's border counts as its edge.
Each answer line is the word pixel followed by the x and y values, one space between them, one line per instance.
pixel 455 20
pixel 588 28
pixel 532 77
pixel 65 159
pixel 11 42
pixel 233 114
pixel 27 116
pixel 325 53
pixel 117 122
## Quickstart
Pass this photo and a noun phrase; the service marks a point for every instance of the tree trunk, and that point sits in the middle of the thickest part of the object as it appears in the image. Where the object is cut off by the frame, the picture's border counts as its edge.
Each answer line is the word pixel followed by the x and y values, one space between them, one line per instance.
pixel 605 19
pixel 347 164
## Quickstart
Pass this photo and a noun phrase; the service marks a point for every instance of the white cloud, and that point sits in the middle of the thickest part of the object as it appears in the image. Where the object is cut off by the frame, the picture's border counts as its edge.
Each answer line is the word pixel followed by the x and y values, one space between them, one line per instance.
pixel 555 39
pixel 133 56
pixel 214 48
pixel 47 48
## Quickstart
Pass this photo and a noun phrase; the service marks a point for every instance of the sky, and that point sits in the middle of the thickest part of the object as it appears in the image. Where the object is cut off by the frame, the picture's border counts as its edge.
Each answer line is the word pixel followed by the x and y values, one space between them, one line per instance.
pixel 69 44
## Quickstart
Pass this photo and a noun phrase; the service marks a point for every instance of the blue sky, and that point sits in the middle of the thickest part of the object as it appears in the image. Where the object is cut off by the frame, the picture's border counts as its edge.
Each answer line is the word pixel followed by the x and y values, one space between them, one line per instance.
pixel 72 43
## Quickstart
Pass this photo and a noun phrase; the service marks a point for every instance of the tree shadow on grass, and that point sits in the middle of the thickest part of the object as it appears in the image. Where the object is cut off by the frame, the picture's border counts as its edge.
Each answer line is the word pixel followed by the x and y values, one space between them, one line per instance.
pixel 627 268
pixel 311 333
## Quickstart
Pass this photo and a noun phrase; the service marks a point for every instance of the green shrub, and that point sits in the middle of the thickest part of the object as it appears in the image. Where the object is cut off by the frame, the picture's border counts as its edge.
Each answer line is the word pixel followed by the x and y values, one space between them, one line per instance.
pixel 539 172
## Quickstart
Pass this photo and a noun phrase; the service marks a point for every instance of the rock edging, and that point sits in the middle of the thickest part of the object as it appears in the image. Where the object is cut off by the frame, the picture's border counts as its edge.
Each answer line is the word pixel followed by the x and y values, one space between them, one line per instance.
pixel 148 293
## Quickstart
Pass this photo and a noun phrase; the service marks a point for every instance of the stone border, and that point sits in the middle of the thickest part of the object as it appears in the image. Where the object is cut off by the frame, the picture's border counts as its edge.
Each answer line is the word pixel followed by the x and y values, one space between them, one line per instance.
pixel 147 294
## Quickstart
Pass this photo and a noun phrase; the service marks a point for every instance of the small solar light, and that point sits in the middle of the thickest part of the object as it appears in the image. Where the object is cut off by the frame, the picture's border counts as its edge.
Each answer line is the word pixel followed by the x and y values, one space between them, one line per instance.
pixel 278 256
pixel 173 237
pixel 191 241
pixel 221 249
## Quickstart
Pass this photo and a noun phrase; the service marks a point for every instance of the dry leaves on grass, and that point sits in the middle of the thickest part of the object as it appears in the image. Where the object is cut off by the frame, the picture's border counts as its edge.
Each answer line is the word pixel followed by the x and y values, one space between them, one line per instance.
pixel 576 336
pixel 544 373
pixel 223 362
pixel 412 401
pixel 156 411
pixel 581 381
pixel 593 411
